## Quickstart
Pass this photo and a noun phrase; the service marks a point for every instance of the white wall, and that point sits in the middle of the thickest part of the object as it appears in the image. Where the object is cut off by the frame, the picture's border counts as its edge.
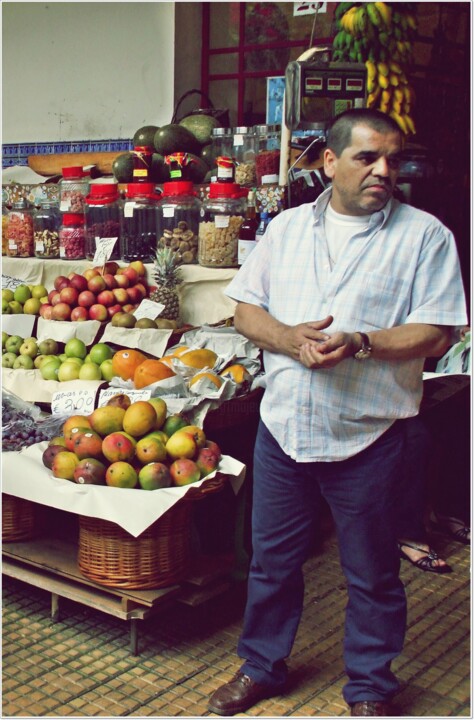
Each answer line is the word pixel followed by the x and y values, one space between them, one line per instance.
pixel 85 70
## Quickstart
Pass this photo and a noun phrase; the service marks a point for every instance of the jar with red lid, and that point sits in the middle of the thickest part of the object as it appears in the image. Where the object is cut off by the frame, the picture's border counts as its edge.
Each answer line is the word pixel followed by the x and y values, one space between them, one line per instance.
pixel 103 219
pixel 222 215
pixel 177 220
pixel 20 233
pixel 72 237
pixel 73 190
pixel 142 161
pixel 138 239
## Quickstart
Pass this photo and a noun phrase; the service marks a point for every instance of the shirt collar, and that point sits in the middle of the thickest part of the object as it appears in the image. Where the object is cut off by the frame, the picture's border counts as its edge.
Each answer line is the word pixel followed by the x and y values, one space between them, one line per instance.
pixel 378 218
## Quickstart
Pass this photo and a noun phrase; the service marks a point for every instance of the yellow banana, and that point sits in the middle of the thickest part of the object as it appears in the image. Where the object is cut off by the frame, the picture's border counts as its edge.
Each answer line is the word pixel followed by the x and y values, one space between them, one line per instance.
pixel 347 20
pixel 371 76
pixel 385 13
pixel 384 107
pixel 383 69
pixel 383 81
pixel 386 96
pixel 410 124
pixel 395 67
pixel 393 79
pixel 373 97
pixel 411 21
pixel 400 120
pixel 397 106
pixel 398 94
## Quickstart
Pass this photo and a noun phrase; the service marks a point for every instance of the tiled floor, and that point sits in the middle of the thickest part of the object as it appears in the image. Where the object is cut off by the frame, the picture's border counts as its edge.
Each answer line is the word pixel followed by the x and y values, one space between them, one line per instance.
pixel 82 666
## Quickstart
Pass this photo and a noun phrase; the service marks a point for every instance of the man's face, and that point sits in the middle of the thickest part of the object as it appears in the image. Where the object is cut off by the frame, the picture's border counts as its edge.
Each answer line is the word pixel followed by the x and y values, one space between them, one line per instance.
pixel 364 175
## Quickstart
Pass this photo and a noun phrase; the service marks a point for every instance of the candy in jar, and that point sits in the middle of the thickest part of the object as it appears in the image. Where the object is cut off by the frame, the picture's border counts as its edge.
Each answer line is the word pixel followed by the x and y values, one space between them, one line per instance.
pixel 20 237
pixel 72 237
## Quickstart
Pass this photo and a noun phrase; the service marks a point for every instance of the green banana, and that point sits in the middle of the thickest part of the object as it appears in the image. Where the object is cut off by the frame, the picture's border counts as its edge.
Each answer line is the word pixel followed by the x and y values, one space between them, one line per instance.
pixel 374 15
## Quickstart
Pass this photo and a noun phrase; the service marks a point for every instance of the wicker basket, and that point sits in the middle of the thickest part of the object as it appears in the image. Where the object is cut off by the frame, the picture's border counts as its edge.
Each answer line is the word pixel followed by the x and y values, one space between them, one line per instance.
pixel 18 519
pixel 159 557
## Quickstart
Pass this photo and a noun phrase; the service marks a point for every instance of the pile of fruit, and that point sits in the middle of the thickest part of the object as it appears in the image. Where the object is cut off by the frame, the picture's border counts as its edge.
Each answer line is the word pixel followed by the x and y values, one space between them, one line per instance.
pixel 58 361
pixel 24 300
pixel 131 445
pixel 19 428
pixel 380 35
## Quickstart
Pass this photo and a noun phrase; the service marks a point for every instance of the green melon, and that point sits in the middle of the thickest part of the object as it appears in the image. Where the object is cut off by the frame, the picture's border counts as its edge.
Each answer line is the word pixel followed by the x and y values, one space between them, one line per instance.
pixel 201 126
pixel 207 154
pixel 145 135
pixel 122 167
pixel 159 170
pixel 175 138
pixel 197 169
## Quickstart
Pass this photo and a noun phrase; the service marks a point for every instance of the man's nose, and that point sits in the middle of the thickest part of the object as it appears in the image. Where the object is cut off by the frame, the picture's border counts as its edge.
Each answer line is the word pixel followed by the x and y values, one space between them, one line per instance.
pixel 380 167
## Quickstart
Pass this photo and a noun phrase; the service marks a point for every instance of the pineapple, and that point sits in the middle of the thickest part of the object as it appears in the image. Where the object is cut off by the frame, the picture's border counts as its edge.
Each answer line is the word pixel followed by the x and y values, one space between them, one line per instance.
pixel 166 275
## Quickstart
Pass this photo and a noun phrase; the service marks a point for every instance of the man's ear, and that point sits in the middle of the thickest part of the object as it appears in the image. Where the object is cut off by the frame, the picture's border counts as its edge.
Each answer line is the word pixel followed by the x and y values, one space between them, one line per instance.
pixel 330 159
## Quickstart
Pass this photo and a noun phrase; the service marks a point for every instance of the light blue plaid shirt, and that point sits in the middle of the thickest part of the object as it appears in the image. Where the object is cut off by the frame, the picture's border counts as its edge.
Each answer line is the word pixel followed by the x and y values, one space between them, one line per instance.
pixel 402 269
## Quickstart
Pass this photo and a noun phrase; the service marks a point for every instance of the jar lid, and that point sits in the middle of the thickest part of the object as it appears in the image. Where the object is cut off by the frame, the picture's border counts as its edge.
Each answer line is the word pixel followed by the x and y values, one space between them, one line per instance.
pixel 142 190
pixel 73 172
pixel 230 190
pixel 73 219
pixel 263 129
pixel 243 130
pixel 101 193
pixel 216 132
pixel 178 187
pixel 269 179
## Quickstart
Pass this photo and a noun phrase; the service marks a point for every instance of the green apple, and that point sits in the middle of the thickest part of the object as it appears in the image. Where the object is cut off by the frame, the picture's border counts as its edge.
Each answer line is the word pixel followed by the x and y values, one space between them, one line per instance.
pixel 87 358
pixel 68 371
pixel 90 371
pixel 16 308
pixel 100 352
pixel 38 291
pixel 5 337
pixel 23 362
pixel 76 360
pixel 29 347
pixel 63 357
pixel 7 294
pixel 32 306
pixel 48 347
pixel 14 343
pixel 8 359
pixel 75 348
pixel 49 368
pixel 106 370
pixel 6 309
pixel 22 293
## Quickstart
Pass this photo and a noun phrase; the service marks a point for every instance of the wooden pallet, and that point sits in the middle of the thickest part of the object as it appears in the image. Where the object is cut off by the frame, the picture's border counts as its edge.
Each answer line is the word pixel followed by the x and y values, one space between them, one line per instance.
pixel 51 564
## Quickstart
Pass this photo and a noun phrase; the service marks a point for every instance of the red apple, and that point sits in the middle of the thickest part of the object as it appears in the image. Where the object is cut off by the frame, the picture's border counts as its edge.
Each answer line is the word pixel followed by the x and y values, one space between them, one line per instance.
pixel 56 298
pixel 128 307
pixel 69 295
pixel 110 281
pixel 139 267
pixel 96 284
pixel 52 294
pixel 131 274
pixel 90 273
pixel 106 297
pixel 112 309
pixel 111 267
pixel 86 298
pixel 45 311
pixel 61 311
pixel 134 295
pixel 122 280
pixel 120 295
pixel 142 289
pixel 98 312
pixel 78 281
pixel 61 282
pixel 79 313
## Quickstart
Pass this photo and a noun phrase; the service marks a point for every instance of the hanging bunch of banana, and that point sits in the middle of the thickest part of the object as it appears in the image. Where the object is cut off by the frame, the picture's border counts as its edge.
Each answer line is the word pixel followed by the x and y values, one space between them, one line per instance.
pixel 380 35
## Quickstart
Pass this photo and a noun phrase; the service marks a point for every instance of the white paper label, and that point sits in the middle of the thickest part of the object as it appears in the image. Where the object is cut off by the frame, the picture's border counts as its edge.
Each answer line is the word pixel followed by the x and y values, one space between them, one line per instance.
pixel 62 252
pixel 12 245
pixel 11 283
pixel 221 221
pixel 238 140
pixel 134 395
pixel 128 209
pixel 148 309
pixel 104 248
pixel 39 247
pixel 168 211
pixel 71 402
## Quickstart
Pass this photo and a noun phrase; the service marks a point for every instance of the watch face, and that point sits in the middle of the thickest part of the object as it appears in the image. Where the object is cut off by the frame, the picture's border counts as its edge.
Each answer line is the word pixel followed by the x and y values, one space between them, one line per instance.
pixel 362 354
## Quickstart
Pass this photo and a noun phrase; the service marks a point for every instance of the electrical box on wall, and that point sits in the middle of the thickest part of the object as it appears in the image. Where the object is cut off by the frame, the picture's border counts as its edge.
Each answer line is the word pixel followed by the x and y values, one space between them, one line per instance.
pixel 315 92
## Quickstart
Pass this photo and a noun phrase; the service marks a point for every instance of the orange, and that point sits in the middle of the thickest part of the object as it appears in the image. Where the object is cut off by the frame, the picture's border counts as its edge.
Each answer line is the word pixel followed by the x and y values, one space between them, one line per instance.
pixel 238 373
pixel 199 358
pixel 125 362
pixel 151 371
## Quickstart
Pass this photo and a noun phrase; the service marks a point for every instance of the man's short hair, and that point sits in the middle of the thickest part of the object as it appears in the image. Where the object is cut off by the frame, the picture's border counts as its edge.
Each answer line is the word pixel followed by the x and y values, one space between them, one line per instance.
pixel 340 130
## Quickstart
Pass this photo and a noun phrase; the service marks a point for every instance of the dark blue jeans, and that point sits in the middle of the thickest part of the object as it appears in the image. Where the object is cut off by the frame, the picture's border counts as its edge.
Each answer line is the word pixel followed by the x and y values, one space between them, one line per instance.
pixel 359 492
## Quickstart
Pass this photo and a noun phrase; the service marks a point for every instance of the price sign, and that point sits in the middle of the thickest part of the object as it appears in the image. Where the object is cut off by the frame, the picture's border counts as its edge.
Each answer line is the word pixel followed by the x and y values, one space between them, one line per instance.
pixel 104 248
pixel 148 309
pixel 11 283
pixel 308 8
pixel 134 395
pixel 73 402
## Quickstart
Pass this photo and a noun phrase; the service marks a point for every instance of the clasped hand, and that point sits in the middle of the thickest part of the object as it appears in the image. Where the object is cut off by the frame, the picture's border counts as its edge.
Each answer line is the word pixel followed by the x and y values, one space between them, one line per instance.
pixel 317 349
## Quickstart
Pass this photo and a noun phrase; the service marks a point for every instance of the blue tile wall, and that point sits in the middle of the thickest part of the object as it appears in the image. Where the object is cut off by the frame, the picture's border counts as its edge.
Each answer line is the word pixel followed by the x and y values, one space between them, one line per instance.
pixel 17 153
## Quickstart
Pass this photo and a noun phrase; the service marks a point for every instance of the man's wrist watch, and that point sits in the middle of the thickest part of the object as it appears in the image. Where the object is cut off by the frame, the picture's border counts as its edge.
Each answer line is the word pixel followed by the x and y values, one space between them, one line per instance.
pixel 365 350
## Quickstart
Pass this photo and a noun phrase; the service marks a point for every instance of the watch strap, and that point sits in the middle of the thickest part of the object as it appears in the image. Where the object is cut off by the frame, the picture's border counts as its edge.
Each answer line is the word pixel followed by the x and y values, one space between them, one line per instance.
pixel 365 349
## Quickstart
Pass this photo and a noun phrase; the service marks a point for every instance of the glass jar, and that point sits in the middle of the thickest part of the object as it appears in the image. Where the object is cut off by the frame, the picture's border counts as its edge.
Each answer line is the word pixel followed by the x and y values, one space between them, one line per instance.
pixel 20 230
pixel 142 161
pixel 221 142
pixel 73 190
pixel 222 214
pixel 177 220
pixel 46 224
pixel 4 229
pixel 72 237
pixel 138 223
pixel 243 152
pixel 267 160
pixel 102 219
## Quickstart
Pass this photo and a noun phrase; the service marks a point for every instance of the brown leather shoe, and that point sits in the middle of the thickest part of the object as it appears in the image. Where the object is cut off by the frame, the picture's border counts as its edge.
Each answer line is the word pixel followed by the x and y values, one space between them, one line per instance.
pixel 368 708
pixel 238 695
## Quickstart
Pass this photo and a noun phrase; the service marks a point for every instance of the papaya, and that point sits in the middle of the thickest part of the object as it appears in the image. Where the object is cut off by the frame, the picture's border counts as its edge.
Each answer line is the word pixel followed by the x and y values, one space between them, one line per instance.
pixel 175 138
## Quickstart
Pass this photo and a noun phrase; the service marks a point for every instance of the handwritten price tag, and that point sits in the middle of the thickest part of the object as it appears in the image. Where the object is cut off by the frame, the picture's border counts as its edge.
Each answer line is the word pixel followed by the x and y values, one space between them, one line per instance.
pixel 11 283
pixel 104 248
pixel 72 402
pixel 148 309
pixel 307 8
pixel 134 395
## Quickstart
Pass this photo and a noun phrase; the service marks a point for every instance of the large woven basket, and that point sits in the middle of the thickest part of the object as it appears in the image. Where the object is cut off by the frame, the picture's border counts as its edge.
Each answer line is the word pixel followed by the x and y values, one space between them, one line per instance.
pixel 18 518
pixel 159 557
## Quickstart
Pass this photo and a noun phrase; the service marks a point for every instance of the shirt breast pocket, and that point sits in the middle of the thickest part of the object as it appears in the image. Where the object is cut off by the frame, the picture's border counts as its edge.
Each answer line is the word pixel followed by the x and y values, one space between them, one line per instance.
pixel 379 299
